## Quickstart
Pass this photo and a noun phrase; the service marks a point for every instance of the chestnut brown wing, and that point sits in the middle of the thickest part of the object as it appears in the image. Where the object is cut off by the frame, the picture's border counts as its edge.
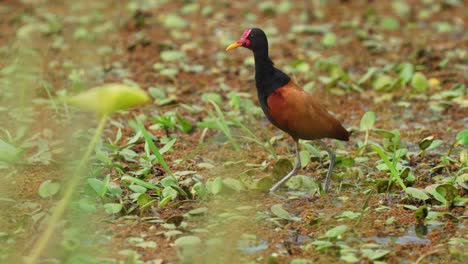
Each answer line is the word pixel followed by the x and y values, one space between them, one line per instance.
pixel 300 115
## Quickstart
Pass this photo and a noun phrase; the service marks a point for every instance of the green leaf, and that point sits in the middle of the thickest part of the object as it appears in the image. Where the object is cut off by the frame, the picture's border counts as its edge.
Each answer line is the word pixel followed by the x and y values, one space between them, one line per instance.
pixel 382 82
pixel 421 213
pixel 374 254
pixel 87 205
pixel 284 7
pixel 368 120
pixel 281 168
pixel 26 31
pixel 157 93
pixel 419 82
pixel 114 189
pixel 401 7
pixel 8 152
pixel 390 23
pixel 349 215
pixel 300 261
pixel 435 144
pixel 168 181
pixel 349 258
pixel 199 190
pixel 146 244
pixel 134 180
pixel 98 186
pixel 187 241
pixel 448 191
pixel 109 98
pixel 264 183
pixel 113 208
pixel 198 211
pixel 137 188
pixel 462 137
pixel 335 232
pixel 164 201
pixel 172 55
pixel 321 245
pixel 216 186
pixel 206 97
pixel 329 39
pixel 431 189
pixel 384 133
pixel 345 162
pixel 417 193
pixel 390 220
pixel 278 210
pixel 304 157
pixel 234 184
pixel 272 260
pixel 294 183
pixel 145 201
pixel 369 74
pixel 48 188
pixel 426 142
pixel 406 72
pixel 170 191
pixel 168 146
pixel 172 21
pixel 185 126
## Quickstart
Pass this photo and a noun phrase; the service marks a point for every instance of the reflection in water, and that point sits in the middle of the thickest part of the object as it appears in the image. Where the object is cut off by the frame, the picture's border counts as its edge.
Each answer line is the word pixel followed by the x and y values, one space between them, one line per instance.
pixel 421 230
pixel 414 236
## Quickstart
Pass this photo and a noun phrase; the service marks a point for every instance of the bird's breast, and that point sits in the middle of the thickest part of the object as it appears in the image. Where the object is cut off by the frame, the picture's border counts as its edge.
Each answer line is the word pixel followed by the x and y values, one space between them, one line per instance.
pixel 279 110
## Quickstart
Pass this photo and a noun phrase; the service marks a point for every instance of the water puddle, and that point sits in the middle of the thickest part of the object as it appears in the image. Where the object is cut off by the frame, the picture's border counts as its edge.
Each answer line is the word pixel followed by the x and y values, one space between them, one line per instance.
pixel 414 236
pixel 250 247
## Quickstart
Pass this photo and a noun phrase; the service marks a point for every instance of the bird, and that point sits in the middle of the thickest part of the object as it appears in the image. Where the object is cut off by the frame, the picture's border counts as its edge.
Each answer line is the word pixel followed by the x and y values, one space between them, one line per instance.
pixel 287 106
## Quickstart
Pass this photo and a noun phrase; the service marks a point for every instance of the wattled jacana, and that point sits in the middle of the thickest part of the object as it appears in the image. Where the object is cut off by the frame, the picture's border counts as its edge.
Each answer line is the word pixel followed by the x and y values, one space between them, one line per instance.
pixel 287 105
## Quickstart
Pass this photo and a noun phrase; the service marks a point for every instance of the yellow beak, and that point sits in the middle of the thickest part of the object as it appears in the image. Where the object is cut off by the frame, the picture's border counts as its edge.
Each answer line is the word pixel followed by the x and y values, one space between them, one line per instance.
pixel 233 46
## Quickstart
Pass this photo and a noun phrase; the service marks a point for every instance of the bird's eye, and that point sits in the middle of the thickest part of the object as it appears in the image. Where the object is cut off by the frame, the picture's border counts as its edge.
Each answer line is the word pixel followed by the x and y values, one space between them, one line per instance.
pixel 251 36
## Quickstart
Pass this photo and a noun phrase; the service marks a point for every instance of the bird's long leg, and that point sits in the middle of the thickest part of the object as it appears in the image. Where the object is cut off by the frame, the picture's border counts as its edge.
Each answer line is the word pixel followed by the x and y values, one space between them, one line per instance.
pixel 330 168
pixel 291 173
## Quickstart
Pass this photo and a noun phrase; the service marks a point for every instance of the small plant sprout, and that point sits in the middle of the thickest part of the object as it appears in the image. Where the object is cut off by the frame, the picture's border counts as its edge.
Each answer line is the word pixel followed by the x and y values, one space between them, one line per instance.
pixel 367 123
pixel 429 143
pixel 222 124
pixel 461 139
pixel 153 147
pixel 103 100
pixel 391 165
pixel 421 214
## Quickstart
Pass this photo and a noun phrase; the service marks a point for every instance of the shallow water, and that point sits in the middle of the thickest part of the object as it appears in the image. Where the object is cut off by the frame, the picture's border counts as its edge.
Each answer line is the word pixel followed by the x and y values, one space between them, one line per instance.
pixel 414 236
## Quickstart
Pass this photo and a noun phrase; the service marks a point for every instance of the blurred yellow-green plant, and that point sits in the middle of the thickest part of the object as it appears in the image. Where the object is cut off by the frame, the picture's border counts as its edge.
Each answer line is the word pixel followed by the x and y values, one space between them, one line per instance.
pixel 109 98
pixel 103 100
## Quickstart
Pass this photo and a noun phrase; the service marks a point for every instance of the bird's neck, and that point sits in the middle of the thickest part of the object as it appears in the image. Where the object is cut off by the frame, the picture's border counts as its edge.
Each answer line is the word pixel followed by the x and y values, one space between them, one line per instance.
pixel 267 77
pixel 264 68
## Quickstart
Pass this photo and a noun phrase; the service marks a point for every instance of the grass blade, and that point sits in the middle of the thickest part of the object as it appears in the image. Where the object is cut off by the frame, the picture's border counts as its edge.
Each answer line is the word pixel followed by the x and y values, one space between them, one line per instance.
pixel 391 166
pixel 254 138
pixel 222 124
pixel 153 147
pixel 137 181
